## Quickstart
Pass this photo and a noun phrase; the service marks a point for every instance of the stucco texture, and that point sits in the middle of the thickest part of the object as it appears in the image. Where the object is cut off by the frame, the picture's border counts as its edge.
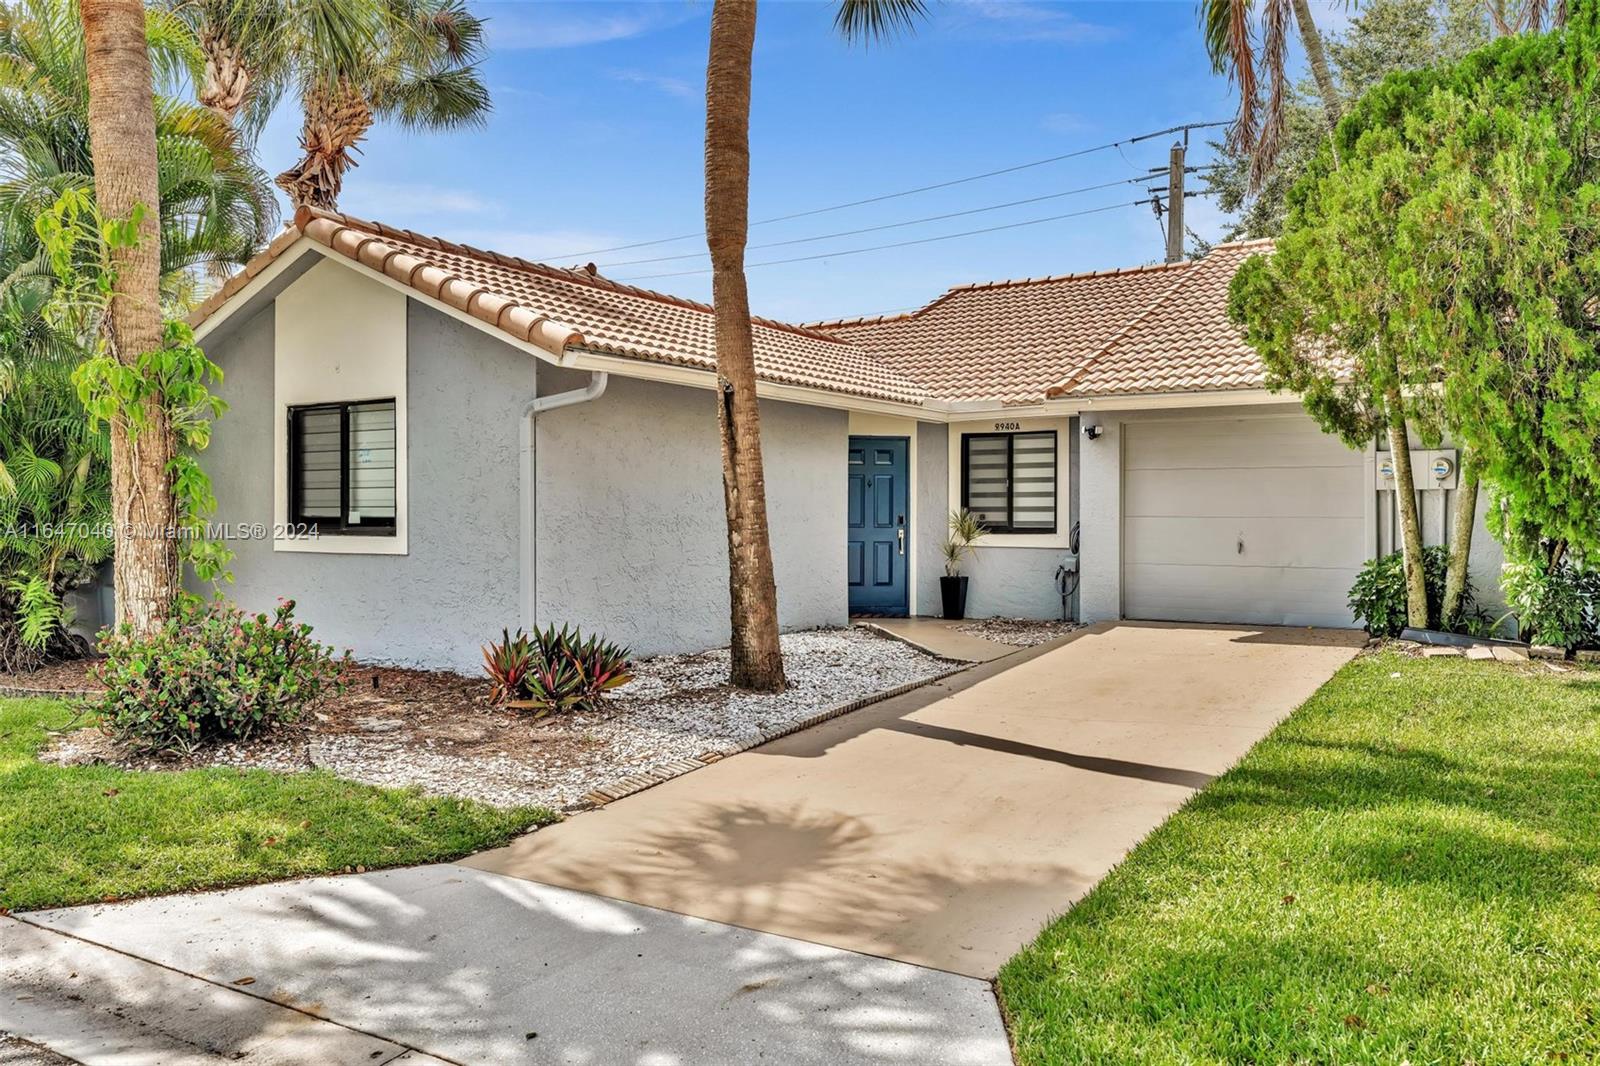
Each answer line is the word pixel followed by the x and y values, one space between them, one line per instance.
pixel 631 535
pixel 457 585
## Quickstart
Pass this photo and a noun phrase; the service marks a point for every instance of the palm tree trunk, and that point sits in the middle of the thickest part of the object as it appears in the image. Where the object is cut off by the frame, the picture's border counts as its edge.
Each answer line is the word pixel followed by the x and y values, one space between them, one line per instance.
pixel 227 76
pixel 1466 513
pixel 336 120
pixel 122 136
pixel 752 591
pixel 1405 492
pixel 1317 59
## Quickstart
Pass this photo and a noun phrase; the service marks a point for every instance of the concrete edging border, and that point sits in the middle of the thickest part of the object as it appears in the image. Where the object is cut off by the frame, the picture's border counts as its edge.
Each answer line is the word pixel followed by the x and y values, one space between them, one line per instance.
pixel 664 772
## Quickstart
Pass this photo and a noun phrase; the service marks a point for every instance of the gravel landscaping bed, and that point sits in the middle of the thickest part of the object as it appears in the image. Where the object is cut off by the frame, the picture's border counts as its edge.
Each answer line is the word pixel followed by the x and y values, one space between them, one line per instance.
pixel 438 731
pixel 1023 632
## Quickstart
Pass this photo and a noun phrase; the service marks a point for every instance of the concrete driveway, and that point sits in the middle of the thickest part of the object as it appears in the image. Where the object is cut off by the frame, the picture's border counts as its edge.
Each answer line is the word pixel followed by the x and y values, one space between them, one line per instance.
pixel 945 827
pixel 840 896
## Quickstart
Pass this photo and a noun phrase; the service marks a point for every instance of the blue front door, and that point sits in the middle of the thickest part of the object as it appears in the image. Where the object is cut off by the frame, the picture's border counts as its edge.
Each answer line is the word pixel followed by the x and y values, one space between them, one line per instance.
pixel 878 534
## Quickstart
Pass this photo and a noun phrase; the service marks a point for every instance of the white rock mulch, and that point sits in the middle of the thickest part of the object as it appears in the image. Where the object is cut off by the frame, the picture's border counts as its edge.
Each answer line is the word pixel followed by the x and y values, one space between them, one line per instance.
pixel 677 707
pixel 1023 632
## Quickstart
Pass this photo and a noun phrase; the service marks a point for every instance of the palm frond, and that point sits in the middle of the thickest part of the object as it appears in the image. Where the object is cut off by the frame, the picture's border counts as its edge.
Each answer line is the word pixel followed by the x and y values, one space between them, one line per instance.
pixel 876 20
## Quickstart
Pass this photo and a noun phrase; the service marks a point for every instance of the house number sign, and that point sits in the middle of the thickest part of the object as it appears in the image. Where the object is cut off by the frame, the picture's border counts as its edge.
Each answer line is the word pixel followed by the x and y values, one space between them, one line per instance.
pixel 1002 426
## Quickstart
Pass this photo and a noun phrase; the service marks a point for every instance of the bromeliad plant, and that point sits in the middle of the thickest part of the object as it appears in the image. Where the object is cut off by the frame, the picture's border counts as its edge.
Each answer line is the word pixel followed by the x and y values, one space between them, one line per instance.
pixel 554 670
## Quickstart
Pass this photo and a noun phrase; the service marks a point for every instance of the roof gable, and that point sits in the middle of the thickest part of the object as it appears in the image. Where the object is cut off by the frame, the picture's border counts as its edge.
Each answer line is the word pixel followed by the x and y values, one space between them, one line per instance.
pixel 1183 342
pixel 556 309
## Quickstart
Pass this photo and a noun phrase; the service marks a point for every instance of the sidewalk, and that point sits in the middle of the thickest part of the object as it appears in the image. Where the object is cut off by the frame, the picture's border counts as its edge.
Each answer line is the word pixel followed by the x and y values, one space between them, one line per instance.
pixel 469 967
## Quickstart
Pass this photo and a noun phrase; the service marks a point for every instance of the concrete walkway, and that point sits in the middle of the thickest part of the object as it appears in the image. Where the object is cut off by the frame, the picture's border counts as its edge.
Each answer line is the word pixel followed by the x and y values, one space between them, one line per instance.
pixel 837 897
pixel 946 826
pixel 470 967
pixel 939 637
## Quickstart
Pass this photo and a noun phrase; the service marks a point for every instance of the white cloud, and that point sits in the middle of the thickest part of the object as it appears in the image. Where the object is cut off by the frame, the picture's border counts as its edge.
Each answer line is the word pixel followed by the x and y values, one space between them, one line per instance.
pixel 383 199
pixel 678 87
pixel 560 25
pixel 1065 122
pixel 561 247
pixel 1333 17
pixel 1027 20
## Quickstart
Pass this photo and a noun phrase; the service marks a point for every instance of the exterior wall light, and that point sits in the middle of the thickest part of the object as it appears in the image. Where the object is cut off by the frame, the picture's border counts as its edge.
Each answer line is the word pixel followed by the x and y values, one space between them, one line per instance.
pixel 1093 432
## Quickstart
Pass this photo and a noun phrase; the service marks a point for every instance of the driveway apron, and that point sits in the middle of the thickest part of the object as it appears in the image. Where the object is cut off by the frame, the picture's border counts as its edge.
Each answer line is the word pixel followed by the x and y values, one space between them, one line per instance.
pixel 946 826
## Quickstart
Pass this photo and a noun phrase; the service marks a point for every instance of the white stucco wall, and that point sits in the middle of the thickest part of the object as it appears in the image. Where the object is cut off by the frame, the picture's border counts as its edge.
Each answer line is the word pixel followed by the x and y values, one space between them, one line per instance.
pixel 456 586
pixel 338 337
pixel 632 539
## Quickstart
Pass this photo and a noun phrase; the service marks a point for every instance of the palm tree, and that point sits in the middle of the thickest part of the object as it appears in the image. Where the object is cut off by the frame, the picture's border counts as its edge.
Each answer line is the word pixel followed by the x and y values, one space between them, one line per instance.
pixel 216 207
pixel 1230 41
pixel 212 208
pixel 757 659
pixel 122 137
pixel 351 63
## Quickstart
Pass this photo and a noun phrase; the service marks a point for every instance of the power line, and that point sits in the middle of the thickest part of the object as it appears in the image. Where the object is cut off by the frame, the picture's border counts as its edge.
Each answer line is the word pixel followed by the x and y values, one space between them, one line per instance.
pixel 1139 180
pixel 901 244
pixel 904 192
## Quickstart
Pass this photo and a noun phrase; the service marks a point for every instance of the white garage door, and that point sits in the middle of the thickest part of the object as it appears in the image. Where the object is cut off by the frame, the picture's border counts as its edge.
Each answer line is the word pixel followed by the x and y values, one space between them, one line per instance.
pixel 1255 520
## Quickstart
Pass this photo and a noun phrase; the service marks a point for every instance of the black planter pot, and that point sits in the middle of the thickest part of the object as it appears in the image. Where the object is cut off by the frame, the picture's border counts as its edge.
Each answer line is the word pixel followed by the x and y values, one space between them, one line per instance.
pixel 953 591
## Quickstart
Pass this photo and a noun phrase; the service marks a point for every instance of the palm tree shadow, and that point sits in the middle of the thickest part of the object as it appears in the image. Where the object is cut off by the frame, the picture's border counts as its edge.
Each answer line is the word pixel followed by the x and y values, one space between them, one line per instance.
pixel 466 964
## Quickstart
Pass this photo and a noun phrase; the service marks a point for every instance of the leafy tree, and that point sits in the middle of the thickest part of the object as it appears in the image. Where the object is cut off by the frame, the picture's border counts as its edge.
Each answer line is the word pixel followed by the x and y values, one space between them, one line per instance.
pixel 216 208
pixel 1386 36
pixel 1449 260
pixel 55 483
pixel 215 211
pixel 1503 226
pixel 753 594
pixel 351 63
pixel 1229 31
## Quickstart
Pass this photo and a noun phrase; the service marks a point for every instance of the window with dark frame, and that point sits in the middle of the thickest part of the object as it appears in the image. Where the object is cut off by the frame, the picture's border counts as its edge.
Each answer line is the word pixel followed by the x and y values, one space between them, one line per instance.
pixel 342 467
pixel 1008 480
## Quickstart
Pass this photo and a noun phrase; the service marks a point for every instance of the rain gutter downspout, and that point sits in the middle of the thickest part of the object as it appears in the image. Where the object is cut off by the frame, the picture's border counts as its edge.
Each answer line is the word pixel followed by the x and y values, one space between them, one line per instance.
pixel 530 472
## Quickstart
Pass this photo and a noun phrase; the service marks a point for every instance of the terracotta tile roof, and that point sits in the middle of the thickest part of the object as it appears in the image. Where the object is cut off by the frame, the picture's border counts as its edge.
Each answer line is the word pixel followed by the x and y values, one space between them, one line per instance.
pixel 1182 342
pixel 1009 340
pixel 1161 328
pixel 554 307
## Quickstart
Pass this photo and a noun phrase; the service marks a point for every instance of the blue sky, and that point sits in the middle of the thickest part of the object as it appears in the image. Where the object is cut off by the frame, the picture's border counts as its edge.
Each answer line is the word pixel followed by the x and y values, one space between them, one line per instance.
pixel 596 141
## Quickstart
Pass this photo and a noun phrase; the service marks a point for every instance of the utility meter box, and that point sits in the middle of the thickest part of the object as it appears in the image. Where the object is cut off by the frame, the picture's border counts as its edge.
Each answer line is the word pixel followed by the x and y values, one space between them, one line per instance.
pixel 1437 468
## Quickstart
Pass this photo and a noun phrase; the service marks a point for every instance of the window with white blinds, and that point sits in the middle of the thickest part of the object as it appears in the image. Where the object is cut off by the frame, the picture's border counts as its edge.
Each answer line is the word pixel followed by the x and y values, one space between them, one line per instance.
pixel 342 467
pixel 1008 480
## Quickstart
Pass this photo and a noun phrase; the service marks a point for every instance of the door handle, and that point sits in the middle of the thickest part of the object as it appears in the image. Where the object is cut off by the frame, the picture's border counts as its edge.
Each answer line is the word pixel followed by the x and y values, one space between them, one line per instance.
pixel 900 534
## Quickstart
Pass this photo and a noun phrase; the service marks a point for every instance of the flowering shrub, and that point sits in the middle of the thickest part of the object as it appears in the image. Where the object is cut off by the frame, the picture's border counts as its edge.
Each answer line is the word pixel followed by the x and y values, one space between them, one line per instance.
pixel 211 673
pixel 554 669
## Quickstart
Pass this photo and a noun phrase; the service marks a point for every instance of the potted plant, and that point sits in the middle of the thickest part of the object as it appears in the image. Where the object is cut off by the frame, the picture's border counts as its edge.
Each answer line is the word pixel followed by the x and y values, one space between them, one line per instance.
pixel 965 532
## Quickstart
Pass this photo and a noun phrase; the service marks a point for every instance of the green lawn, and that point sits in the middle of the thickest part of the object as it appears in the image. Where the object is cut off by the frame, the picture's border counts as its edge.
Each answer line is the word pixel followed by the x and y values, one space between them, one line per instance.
pixel 72 835
pixel 1406 871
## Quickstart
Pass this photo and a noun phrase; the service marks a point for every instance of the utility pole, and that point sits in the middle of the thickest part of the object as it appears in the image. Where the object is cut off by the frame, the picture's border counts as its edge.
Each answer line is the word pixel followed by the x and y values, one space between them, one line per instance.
pixel 1175 202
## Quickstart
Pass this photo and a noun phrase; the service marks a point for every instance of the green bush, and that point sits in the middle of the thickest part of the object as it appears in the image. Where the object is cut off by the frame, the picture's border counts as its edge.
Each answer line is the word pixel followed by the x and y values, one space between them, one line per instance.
pixel 211 673
pixel 554 670
pixel 55 496
pixel 1557 605
pixel 1379 594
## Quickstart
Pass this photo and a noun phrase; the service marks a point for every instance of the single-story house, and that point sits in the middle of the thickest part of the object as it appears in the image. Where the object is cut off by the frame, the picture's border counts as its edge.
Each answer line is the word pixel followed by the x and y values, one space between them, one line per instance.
pixel 427 443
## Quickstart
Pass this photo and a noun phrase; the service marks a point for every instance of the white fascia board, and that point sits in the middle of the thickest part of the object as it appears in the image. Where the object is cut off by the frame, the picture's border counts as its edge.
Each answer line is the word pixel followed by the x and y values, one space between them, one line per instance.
pixel 695 377
pixel 305 244
pixel 1154 401
pixel 287 258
